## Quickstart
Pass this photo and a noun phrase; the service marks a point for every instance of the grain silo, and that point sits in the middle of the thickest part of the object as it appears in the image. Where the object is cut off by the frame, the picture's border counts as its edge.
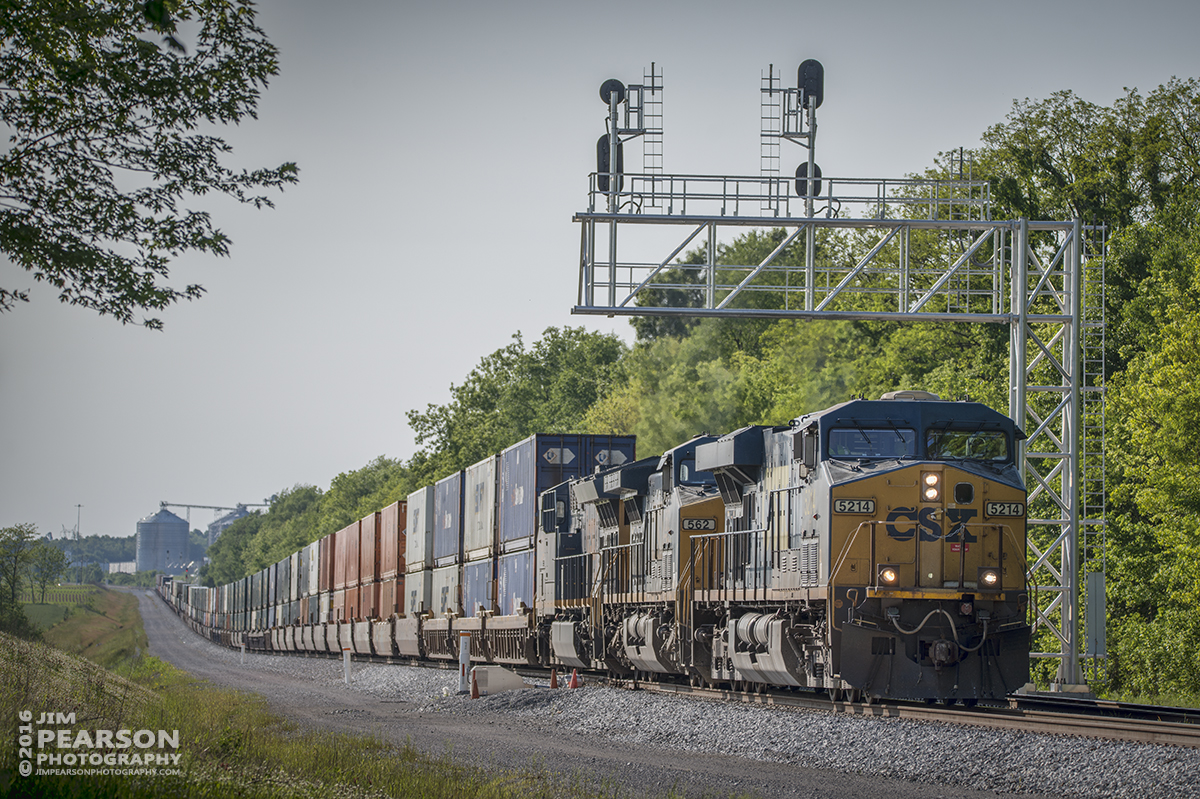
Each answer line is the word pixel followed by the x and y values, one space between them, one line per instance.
pixel 162 543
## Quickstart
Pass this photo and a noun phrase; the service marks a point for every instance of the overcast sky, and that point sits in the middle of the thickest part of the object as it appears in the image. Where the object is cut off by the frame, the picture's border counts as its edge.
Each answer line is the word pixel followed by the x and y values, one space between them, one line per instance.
pixel 443 148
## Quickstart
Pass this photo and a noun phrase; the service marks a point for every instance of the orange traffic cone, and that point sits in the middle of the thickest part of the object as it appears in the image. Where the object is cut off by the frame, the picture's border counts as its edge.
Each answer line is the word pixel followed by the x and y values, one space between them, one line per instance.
pixel 574 683
pixel 474 686
pixel 554 679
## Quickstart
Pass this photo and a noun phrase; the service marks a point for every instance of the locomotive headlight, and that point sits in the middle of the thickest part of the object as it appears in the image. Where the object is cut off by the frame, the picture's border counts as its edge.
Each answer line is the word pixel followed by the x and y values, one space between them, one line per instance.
pixel 989 579
pixel 888 575
pixel 931 486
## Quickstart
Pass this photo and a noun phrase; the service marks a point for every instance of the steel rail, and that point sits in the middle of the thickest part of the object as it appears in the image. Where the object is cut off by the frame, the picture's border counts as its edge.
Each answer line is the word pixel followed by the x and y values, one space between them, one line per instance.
pixel 1012 717
pixel 1036 713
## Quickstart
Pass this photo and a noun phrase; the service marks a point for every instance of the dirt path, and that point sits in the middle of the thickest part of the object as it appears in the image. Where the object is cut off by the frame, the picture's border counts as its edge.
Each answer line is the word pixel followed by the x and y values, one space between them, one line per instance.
pixel 507 742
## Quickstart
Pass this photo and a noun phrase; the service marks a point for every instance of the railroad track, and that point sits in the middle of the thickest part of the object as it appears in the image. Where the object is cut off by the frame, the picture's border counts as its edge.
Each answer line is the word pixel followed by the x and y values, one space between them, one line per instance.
pixel 1038 713
pixel 1094 719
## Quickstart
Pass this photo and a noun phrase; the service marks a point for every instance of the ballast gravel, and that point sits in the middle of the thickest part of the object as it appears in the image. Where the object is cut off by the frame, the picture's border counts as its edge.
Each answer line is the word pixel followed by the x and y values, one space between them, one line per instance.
pixel 920 751
pixel 940 753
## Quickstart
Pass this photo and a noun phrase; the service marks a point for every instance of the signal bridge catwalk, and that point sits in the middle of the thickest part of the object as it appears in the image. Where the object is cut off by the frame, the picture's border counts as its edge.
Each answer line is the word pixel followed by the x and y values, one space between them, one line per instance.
pixel 902 250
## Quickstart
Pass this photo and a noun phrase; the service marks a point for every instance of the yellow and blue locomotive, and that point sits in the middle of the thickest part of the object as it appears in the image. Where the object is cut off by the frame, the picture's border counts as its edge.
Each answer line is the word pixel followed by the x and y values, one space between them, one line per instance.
pixel 876 548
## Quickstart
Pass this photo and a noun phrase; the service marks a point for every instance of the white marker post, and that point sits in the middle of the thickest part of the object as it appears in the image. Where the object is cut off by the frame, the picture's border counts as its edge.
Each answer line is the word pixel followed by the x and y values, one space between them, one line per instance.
pixel 346 664
pixel 464 662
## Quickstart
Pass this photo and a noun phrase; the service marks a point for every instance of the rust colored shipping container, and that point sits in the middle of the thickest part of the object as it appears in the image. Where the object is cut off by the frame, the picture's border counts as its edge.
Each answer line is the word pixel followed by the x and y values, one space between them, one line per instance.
pixel 337 606
pixel 393 522
pixel 391 597
pixel 325 576
pixel 352 549
pixel 352 606
pixel 368 601
pixel 340 539
pixel 304 610
pixel 387 598
pixel 368 552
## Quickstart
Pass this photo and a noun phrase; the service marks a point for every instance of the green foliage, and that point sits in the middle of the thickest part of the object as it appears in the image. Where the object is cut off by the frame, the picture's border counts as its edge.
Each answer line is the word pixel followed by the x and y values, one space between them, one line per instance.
pixel 1155 537
pixel 104 148
pixel 16 552
pixel 225 555
pixel 514 393
pixel 100 548
pixel 47 564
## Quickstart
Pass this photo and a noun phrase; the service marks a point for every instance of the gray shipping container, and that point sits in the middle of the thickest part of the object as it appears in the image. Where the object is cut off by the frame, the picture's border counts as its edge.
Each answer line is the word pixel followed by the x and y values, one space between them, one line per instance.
pixel 479 508
pixel 447 514
pixel 447 590
pixel 541 462
pixel 284 581
pixel 419 531
pixel 294 591
pixel 305 567
pixel 314 567
pixel 419 587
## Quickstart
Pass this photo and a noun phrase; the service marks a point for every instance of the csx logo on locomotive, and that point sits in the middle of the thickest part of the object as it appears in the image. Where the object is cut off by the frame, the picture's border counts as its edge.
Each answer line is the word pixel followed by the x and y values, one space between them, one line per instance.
pixel 928 522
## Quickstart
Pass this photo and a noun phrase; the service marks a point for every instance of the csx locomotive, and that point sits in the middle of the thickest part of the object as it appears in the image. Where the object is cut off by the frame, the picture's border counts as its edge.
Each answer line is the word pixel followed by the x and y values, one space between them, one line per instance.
pixel 872 549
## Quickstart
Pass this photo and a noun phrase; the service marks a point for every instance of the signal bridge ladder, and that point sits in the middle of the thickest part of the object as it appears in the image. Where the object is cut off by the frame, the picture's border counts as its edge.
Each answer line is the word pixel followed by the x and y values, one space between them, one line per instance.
pixel 1093 488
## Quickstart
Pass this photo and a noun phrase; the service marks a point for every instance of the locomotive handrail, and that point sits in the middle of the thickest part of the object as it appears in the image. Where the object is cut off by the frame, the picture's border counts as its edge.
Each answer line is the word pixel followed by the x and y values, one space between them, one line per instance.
pixel 707 541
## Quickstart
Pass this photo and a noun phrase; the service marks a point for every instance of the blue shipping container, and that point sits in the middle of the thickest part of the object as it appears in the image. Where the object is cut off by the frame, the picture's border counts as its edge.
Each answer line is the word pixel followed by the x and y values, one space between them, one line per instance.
pixel 516 582
pixel 542 461
pixel 447 511
pixel 478 584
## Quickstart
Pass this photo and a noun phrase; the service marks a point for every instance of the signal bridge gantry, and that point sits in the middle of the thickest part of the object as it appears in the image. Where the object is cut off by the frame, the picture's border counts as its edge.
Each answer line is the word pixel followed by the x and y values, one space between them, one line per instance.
pixel 907 250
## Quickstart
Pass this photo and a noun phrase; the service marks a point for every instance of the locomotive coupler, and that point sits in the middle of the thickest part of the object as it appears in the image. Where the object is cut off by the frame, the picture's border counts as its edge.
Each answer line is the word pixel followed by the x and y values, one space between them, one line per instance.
pixel 943 653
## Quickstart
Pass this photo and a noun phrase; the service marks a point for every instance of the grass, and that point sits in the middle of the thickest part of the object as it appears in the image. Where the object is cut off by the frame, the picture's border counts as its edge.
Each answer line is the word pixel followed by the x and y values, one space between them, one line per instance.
pixel 231 744
pixel 1190 701
pixel 103 626
pixel 46 616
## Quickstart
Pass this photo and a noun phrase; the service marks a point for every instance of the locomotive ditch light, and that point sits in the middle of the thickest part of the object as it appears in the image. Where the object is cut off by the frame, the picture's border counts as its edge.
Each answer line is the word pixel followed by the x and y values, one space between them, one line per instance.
pixel 989 579
pixel 888 575
pixel 931 486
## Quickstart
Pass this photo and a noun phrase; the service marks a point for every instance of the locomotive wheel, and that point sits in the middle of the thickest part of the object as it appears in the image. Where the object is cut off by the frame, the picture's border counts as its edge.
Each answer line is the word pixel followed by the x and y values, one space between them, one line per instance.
pixel 835 694
pixel 855 695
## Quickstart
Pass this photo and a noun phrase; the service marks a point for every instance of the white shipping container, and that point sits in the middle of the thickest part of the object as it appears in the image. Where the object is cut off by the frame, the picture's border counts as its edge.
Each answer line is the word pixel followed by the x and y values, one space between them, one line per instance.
pixel 418 532
pixel 418 587
pixel 479 508
pixel 314 567
pixel 447 590
pixel 294 576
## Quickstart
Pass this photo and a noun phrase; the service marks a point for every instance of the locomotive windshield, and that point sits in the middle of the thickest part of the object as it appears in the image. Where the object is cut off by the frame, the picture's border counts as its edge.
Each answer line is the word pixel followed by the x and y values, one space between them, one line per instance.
pixel 859 442
pixel 978 445
pixel 689 476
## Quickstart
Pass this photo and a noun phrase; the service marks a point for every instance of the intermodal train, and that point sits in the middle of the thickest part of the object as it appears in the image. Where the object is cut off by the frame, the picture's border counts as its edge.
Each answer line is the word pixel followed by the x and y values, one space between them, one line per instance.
pixel 874 549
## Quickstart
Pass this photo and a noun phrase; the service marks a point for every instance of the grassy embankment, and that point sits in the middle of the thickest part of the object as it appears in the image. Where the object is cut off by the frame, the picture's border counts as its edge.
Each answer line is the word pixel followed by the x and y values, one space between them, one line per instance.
pixel 231 744
pixel 101 625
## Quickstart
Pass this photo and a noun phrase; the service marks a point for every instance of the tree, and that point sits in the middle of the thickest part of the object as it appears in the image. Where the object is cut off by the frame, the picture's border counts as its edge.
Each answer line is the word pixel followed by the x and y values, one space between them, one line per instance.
pixel 225 555
pixel 514 393
pixel 16 549
pixel 47 564
pixel 105 143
